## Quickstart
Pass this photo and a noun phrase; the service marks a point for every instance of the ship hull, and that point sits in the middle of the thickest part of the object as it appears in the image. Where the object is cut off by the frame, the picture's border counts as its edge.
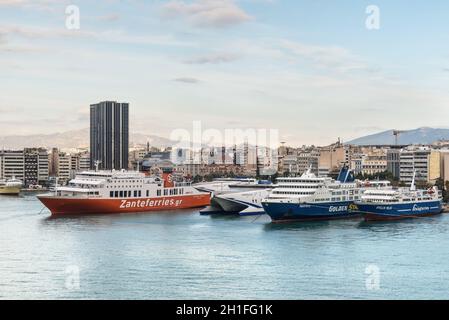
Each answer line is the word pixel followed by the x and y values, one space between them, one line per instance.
pixel 9 191
pixel 378 212
pixel 222 205
pixel 60 206
pixel 286 212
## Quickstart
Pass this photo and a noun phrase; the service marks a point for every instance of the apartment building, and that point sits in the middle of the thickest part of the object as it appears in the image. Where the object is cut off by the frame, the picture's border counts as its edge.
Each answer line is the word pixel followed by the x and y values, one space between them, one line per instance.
pixel 12 164
pixel 331 158
pixel 393 162
pixel 29 165
pixel 36 170
pixel 414 159
pixel 374 164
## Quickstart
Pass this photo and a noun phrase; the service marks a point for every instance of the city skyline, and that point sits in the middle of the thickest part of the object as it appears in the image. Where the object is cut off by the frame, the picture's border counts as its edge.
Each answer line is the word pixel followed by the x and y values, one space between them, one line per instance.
pixel 230 64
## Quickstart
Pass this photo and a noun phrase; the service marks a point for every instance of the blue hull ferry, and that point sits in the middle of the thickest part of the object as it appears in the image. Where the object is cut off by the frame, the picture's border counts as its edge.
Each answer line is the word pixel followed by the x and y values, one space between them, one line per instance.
pixel 374 212
pixel 315 198
pixel 280 212
pixel 402 203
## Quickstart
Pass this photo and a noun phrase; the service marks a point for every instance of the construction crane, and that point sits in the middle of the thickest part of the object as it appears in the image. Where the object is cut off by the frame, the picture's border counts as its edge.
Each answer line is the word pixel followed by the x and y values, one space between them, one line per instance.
pixel 396 134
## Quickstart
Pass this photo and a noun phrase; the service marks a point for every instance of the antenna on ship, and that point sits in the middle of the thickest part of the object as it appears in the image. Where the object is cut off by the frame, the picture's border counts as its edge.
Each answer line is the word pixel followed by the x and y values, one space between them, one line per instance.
pixel 309 170
pixel 56 184
pixel 413 186
pixel 97 163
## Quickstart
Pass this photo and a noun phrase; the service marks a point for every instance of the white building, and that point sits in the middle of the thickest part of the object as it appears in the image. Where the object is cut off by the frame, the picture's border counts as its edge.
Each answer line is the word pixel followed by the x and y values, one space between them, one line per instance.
pixel 64 168
pixel 414 159
pixel 356 164
pixel 12 164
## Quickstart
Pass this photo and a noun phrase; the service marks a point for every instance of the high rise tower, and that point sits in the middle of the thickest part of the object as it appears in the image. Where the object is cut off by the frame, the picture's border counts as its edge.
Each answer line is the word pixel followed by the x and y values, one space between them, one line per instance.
pixel 109 135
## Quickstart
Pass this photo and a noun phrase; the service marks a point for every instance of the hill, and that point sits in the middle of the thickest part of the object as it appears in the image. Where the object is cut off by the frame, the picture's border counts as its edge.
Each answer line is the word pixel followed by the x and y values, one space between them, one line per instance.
pixel 422 135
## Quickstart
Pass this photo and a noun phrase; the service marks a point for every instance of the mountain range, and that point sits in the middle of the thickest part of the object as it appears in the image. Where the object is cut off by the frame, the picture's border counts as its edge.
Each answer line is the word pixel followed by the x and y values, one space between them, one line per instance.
pixel 80 139
pixel 422 135
pixel 73 139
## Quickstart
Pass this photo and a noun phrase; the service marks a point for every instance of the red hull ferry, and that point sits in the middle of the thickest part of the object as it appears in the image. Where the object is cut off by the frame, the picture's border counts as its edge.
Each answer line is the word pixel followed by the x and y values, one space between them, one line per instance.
pixel 108 192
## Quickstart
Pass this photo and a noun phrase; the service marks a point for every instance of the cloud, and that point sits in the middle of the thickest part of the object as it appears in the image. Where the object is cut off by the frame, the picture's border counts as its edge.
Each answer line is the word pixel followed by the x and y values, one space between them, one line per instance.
pixel 329 57
pixel 207 13
pixel 45 5
pixel 2 39
pixel 187 80
pixel 11 2
pixel 113 36
pixel 213 58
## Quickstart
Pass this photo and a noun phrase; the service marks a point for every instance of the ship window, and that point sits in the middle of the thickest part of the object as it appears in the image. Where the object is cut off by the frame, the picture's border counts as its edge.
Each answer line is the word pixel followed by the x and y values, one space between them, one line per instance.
pixel 148 193
pixel 165 192
pixel 140 193
pixel 116 194
pixel 111 194
pixel 129 193
pixel 135 193
pixel 121 194
pixel 158 193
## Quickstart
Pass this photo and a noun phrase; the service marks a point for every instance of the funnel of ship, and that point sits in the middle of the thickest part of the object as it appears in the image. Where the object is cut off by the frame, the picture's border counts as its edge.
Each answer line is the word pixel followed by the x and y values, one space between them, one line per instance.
pixel 167 176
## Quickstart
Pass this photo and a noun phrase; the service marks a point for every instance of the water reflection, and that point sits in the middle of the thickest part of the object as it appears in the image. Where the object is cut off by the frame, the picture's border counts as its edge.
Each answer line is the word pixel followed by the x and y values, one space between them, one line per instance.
pixel 303 225
pixel 401 228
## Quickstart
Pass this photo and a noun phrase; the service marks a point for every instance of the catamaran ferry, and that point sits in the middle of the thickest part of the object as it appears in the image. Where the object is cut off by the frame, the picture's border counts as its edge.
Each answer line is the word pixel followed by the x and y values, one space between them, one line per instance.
pixel 309 197
pixel 394 204
pixel 243 203
pixel 94 192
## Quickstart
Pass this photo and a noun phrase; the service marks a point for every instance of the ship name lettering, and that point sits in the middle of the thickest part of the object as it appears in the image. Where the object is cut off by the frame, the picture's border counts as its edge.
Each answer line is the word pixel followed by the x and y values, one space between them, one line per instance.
pixel 149 203
pixel 417 208
pixel 338 208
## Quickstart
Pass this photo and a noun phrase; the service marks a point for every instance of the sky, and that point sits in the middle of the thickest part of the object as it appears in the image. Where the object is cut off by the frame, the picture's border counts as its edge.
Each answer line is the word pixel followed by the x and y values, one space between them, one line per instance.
pixel 310 69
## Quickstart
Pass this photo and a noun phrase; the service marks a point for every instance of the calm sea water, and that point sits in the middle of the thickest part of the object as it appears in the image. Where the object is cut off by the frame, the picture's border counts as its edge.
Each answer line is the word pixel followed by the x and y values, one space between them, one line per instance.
pixel 182 255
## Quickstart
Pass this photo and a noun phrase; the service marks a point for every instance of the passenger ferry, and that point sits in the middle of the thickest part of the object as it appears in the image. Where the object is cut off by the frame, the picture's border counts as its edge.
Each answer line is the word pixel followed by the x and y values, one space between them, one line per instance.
pixel 401 203
pixel 309 197
pixel 94 192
